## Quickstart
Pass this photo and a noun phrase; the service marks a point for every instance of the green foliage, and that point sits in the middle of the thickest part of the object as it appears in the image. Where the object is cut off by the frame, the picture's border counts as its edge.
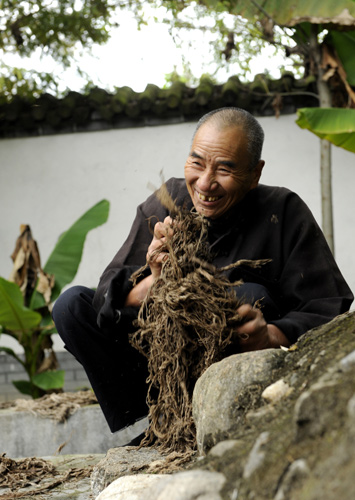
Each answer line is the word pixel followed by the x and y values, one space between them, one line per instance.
pixel 344 44
pixel 305 22
pixel 337 125
pixel 13 314
pixel 48 381
pixel 232 41
pixel 56 27
pixel 31 326
pixel 174 76
pixel 64 260
pixel 49 28
pixel 24 83
pixel 285 13
pixel 62 30
pixel 24 386
pixel 235 31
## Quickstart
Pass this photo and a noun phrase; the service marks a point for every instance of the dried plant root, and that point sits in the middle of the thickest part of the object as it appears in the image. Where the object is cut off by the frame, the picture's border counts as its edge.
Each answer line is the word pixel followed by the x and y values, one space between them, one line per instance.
pixel 184 325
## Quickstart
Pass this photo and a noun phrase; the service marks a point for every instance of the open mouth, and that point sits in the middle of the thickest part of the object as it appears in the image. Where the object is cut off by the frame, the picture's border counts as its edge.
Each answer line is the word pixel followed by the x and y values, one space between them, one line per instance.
pixel 202 197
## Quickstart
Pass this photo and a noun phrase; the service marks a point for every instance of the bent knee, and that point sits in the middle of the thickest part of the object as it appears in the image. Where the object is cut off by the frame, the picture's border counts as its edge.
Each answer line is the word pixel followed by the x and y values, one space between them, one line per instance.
pixel 70 300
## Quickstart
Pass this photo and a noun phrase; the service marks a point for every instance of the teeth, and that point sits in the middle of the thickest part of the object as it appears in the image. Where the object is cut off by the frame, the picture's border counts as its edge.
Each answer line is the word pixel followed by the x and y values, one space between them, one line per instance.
pixel 207 198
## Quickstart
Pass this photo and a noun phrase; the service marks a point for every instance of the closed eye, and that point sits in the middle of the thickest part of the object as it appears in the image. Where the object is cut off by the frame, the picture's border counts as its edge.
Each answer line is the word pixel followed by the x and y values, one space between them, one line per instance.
pixel 227 166
pixel 224 170
pixel 197 163
pixel 196 159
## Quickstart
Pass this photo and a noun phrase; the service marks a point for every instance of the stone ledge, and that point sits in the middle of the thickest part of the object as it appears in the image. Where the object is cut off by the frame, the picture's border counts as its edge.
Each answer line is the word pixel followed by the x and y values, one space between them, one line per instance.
pixel 23 434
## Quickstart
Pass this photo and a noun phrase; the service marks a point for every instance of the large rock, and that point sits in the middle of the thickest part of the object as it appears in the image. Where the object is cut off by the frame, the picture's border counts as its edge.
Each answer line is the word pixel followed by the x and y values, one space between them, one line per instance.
pixel 189 485
pixel 227 390
pixel 120 462
pixel 129 487
pixel 298 442
pixel 317 408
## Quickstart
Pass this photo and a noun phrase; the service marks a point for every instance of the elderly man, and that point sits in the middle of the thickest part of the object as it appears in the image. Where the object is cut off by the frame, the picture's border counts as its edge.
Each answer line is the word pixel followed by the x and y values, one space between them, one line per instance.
pixel 300 288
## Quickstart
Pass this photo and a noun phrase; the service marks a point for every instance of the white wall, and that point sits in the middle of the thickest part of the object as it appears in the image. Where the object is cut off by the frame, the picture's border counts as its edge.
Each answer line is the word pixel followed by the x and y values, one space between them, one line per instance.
pixel 48 182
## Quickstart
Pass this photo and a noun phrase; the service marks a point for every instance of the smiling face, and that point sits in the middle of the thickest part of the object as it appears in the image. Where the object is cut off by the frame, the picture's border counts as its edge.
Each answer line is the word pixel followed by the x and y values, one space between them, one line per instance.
pixel 217 171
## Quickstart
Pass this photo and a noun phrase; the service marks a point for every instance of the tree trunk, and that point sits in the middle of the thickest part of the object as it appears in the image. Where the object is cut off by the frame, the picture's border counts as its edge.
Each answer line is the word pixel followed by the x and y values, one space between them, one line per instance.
pixel 325 146
pixel 326 192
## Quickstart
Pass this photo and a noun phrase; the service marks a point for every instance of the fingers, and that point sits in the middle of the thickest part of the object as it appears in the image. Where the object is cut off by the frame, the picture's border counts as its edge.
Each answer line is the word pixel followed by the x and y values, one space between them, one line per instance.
pixel 253 330
pixel 163 229
pixel 252 319
pixel 155 254
pixel 246 311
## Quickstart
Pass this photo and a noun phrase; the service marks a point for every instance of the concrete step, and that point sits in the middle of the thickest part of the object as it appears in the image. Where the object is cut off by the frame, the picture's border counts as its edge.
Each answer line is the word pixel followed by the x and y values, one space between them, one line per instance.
pixel 23 434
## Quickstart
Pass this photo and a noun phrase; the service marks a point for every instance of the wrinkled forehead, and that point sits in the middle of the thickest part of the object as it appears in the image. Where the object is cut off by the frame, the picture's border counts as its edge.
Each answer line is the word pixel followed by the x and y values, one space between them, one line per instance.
pixel 220 130
pixel 232 138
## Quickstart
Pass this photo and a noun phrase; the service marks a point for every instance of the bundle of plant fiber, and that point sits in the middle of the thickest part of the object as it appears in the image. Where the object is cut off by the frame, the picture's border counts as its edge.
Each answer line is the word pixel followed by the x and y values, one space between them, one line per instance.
pixel 185 324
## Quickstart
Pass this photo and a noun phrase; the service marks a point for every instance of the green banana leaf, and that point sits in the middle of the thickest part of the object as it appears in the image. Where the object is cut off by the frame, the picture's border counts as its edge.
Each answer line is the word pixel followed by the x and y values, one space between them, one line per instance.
pixel 13 314
pixel 344 43
pixel 46 381
pixel 337 125
pixel 23 386
pixel 49 380
pixel 66 256
pixel 290 12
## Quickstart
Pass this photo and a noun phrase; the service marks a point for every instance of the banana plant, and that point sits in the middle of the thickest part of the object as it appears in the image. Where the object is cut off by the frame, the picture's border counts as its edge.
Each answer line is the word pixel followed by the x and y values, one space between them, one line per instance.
pixel 336 125
pixel 25 310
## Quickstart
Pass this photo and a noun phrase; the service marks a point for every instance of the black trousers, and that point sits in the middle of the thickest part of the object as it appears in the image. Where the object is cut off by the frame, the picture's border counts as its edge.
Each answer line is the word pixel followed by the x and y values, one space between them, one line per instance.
pixel 118 372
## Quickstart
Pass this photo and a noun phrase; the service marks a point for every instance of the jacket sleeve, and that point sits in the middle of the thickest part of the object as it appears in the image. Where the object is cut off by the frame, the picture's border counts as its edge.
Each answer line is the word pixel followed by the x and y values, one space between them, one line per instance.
pixel 312 288
pixel 115 284
pixel 132 255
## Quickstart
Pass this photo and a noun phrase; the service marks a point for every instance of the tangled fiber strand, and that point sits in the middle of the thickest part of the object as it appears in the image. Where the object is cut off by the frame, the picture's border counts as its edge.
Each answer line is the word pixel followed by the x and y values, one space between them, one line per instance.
pixel 39 474
pixel 185 324
pixel 54 406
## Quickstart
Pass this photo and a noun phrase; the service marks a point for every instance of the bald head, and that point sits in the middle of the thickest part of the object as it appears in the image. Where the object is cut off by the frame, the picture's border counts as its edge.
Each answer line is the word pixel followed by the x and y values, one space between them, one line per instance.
pixel 236 117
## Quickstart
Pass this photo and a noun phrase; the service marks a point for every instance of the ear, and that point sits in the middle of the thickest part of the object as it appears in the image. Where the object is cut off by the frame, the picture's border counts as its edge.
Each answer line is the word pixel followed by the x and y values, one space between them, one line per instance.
pixel 257 173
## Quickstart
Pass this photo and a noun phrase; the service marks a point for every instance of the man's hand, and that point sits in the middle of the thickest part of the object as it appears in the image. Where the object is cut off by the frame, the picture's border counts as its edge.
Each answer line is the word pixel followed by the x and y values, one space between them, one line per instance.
pixel 255 333
pixel 155 258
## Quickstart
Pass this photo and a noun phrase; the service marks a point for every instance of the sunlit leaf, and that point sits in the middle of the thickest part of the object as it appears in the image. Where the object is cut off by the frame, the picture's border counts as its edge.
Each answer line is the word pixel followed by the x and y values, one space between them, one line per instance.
pixel 13 314
pixel 344 43
pixel 65 258
pixel 49 380
pixel 337 125
pixel 291 13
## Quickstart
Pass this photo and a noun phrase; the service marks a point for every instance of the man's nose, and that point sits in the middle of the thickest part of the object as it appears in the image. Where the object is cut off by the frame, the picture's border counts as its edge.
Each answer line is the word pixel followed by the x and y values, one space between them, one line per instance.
pixel 207 181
